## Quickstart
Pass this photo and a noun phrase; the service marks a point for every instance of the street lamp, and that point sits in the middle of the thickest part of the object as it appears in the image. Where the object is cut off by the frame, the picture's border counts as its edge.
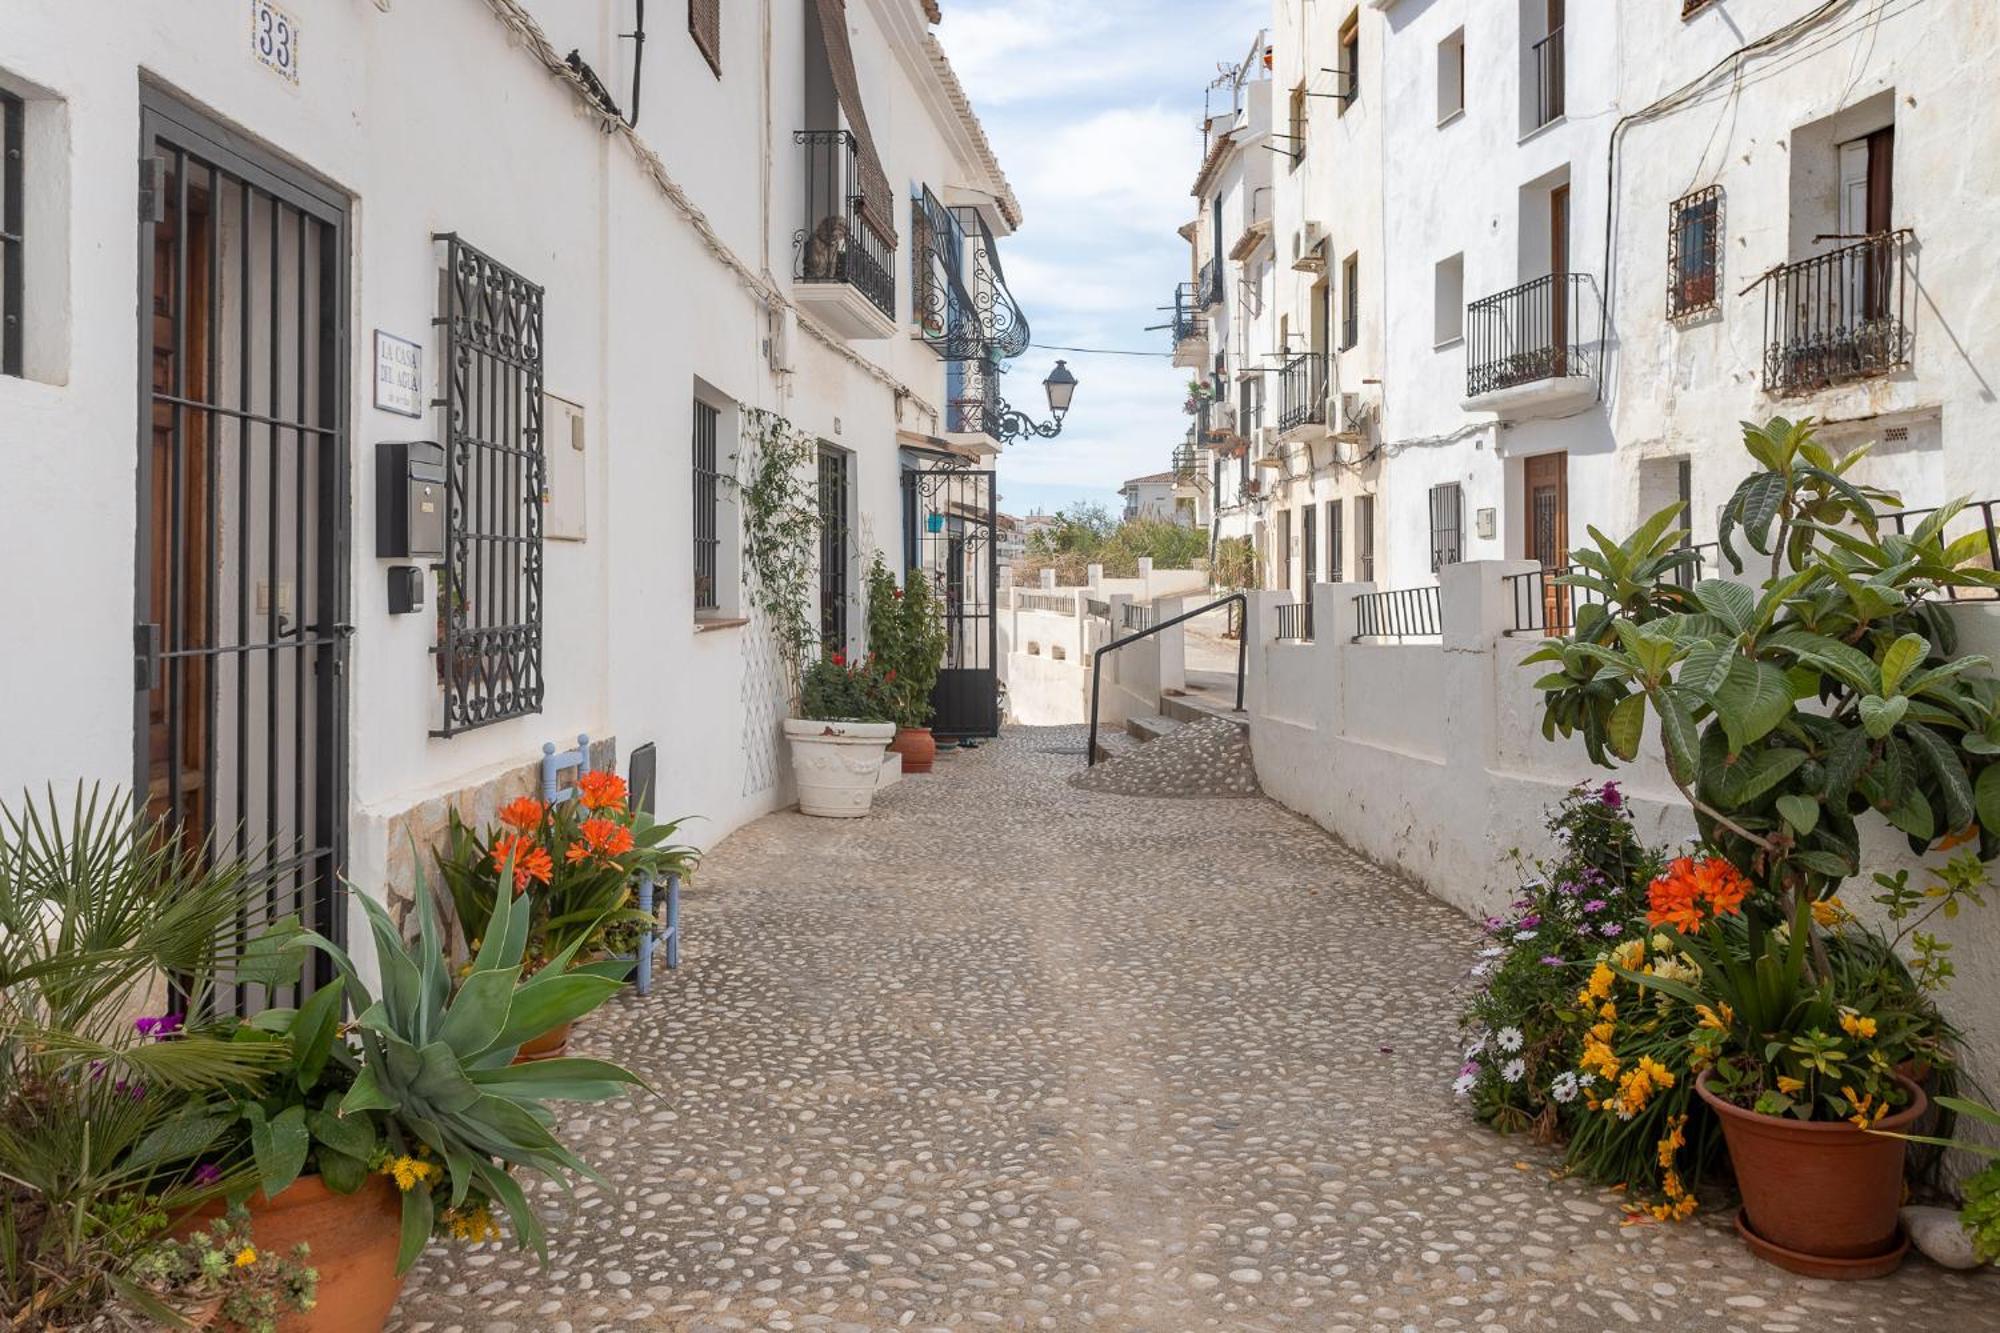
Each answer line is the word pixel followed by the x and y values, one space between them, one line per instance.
pixel 1060 387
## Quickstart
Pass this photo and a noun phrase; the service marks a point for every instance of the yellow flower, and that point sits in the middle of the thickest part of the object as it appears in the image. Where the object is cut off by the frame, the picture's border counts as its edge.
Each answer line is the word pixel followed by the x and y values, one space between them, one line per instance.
pixel 1790 1086
pixel 1855 1025
pixel 246 1256
pixel 1629 954
pixel 409 1172
pixel 1718 1018
pixel 1602 979
pixel 1608 1010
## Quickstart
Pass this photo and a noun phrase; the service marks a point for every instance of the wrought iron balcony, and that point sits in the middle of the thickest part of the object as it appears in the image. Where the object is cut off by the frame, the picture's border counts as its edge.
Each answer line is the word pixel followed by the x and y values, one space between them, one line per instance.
pixel 960 301
pixel 1546 56
pixel 974 405
pixel 1838 316
pixel 1189 329
pixel 1527 333
pixel 1208 282
pixel 1302 392
pixel 836 243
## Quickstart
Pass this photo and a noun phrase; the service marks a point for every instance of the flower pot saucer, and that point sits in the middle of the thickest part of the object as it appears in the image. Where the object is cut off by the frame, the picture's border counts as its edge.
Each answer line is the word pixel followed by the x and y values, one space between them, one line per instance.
pixel 1814 1265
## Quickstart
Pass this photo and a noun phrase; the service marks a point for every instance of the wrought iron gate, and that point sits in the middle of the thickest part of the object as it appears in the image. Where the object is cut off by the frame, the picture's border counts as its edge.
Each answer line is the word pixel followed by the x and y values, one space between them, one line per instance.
pixel 948 531
pixel 240 641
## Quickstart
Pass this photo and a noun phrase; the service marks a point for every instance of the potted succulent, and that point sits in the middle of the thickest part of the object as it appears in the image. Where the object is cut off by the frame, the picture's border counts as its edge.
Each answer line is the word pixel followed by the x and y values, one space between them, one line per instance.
pixel 907 638
pixel 372 1137
pixel 1786 711
pixel 575 864
pixel 216 1276
pixel 837 740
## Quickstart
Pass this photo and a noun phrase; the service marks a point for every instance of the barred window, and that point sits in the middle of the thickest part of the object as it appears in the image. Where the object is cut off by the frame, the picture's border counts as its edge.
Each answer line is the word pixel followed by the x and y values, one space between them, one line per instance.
pixel 1336 540
pixel 1364 537
pixel 490 602
pixel 11 207
pixel 705 25
pixel 1447 525
pixel 1694 252
pixel 707 507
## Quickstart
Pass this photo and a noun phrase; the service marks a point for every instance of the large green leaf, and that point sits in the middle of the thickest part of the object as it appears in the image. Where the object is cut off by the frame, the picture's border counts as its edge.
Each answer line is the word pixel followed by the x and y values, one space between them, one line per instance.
pixel 1752 699
pixel 1678 729
pixel 1705 667
pixel 1754 506
pixel 1900 658
pixel 418 1218
pixel 343 1174
pixel 1801 812
pixel 1987 796
pixel 1731 603
pixel 1879 716
pixel 563 1079
pixel 1844 759
pixel 1626 726
pixel 1848 664
pixel 441 1081
pixel 548 1000
pixel 350 1134
pixel 1954 787
pixel 1914 816
pixel 187 1135
pixel 479 1011
pixel 312 1032
pixel 279 1145
pixel 367 1094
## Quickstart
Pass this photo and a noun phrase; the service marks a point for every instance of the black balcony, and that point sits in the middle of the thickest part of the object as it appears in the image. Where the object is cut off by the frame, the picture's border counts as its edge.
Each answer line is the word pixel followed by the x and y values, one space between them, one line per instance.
pixel 1208 283
pixel 1546 58
pixel 1302 391
pixel 836 242
pixel 1531 332
pixel 974 405
pixel 960 302
pixel 1838 316
pixel 1189 323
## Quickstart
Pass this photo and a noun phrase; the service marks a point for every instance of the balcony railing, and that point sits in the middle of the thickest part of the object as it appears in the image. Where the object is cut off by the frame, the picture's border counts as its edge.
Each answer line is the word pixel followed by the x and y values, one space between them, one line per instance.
pixel 1400 613
pixel 974 405
pixel 1136 616
pixel 960 301
pixel 1544 605
pixel 1302 391
pixel 1531 332
pixel 1208 282
pixel 1189 323
pixel 1547 58
pixel 1977 516
pixel 836 242
pixel 1838 316
pixel 1295 622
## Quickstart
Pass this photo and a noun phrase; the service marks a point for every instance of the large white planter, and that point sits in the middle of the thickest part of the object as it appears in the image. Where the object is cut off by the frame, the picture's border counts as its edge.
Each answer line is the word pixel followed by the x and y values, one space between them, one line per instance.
pixel 837 764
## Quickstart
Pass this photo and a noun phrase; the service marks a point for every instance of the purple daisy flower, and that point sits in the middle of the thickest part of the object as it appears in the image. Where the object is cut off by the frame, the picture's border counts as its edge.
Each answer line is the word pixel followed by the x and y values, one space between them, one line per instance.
pixel 1611 930
pixel 1612 798
pixel 1594 906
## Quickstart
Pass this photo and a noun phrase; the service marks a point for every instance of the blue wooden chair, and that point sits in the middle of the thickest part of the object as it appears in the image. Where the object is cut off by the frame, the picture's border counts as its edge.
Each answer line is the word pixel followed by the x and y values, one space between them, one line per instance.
pixel 554 764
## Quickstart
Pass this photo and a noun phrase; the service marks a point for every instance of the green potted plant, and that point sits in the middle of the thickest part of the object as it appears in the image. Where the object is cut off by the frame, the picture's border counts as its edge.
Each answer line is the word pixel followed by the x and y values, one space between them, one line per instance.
pixel 845 719
pixel 907 638
pixel 1786 711
pixel 217 1277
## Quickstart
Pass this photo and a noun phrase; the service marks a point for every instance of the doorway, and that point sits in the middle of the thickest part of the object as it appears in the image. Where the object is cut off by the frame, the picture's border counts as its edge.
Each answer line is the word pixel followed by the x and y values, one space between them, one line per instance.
pixel 1545 484
pixel 242 551
pixel 1559 278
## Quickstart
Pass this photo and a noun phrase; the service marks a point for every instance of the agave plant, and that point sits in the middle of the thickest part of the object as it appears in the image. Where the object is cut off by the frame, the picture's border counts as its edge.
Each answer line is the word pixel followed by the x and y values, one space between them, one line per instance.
pixel 435 1062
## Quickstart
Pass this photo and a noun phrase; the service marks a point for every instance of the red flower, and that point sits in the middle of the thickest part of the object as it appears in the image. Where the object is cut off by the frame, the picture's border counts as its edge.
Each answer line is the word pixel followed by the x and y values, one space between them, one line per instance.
pixel 523 813
pixel 531 859
pixel 601 837
pixel 1687 886
pixel 601 791
pixel 840 659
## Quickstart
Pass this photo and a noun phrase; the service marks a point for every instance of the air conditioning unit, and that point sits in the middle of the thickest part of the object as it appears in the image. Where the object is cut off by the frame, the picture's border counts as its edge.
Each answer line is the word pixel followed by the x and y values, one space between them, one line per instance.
pixel 1309 248
pixel 1222 419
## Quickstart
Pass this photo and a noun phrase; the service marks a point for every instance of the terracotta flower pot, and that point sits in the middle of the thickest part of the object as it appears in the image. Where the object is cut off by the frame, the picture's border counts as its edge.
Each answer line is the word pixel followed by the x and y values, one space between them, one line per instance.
pixel 352 1239
pixel 1820 1198
pixel 917 746
pixel 548 1046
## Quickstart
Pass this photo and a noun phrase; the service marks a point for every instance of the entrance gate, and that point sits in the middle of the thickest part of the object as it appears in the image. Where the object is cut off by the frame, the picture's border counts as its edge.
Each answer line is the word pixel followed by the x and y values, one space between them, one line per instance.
pixel 240 636
pixel 949 516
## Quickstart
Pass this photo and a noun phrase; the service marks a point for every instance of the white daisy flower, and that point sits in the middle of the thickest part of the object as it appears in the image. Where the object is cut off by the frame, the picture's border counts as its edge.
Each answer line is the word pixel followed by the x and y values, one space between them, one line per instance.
pixel 1523 936
pixel 1564 1088
pixel 1493 952
pixel 1509 1038
pixel 1477 1048
pixel 1462 1085
pixel 1480 969
pixel 1513 1070
pixel 1585 1080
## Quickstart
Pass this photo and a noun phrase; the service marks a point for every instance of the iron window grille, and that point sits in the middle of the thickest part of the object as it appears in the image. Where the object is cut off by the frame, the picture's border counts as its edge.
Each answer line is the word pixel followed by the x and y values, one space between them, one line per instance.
pixel 12 185
pixel 1308 547
pixel 1694 253
pixel 1547 58
pixel 836 241
pixel 1531 332
pixel 1364 537
pixel 1838 316
pixel 1350 302
pixel 834 482
pixel 1302 391
pixel 705 26
pixel 489 649
pixel 1208 283
pixel 707 506
pixel 1447 525
pixel 1335 542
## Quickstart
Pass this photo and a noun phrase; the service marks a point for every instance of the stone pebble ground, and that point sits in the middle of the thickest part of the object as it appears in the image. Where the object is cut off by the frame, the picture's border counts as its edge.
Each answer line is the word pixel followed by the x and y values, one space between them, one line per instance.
pixel 1012 1054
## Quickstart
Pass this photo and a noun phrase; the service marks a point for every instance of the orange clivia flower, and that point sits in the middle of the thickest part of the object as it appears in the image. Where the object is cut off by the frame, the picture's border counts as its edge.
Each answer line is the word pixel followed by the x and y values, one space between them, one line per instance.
pixel 601 791
pixel 523 813
pixel 1689 892
pixel 601 837
pixel 531 859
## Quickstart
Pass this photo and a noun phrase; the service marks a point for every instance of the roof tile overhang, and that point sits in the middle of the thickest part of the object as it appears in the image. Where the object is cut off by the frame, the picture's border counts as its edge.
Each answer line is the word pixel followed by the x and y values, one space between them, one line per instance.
pixel 1252 238
pixel 1212 163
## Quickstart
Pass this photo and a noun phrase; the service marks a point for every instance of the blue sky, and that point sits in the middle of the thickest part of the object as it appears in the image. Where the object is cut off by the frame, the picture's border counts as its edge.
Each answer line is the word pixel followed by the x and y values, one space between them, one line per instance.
pixel 1095 111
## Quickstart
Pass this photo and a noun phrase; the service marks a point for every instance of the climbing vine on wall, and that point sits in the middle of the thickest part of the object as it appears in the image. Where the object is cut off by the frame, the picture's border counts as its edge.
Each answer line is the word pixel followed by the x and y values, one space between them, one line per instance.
pixel 777 494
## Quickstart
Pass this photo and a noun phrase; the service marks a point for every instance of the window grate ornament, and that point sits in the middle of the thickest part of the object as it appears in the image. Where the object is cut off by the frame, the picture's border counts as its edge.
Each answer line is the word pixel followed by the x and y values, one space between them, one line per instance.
pixel 489 651
pixel 12 279
pixel 962 306
pixel 1694 253
pixel 707 505
pixel 1447 525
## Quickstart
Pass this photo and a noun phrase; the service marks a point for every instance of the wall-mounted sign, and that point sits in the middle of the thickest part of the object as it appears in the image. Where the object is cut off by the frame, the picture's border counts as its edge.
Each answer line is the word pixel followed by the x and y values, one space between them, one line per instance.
pixel 274 39
pixel 399 375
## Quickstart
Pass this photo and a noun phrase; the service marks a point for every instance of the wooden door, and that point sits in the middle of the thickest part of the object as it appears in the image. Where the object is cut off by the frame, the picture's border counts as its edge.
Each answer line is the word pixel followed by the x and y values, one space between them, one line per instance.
pixel 1546 533
pixel 1559 278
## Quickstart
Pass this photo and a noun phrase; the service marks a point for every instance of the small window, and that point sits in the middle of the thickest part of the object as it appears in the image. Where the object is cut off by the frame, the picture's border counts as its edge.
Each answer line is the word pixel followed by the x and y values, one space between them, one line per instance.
pixel 1350 302
pixel 1335 542
pixel 1350 61
pixel 1447 525
pixel 1308 547
pixel 11 207
pixel 1448 298
pixel 1364 537
pixel 1451 77
pixel 836 475
pixel 1694 253
pixel 705 25
pixel 707 507
pixel 1298 125
pixel 1281 554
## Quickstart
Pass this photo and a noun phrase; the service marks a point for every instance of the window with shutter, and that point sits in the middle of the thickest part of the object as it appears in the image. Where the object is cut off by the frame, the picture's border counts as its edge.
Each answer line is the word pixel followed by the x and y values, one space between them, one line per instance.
pixel 705 25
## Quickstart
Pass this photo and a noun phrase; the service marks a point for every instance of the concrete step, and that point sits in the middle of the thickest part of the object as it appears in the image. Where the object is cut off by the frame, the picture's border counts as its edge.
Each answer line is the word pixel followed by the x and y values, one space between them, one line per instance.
pixel 1195 707
pixel 1150 728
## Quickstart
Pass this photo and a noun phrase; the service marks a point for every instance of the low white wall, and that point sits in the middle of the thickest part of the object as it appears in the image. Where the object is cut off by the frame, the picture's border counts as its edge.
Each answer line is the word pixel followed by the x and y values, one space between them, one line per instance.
pixel 1429 757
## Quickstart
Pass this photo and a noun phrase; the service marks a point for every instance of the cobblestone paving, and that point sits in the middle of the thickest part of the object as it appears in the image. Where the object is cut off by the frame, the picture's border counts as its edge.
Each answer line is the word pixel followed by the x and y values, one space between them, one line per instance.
pixel 1209 757
pixel 1012 1055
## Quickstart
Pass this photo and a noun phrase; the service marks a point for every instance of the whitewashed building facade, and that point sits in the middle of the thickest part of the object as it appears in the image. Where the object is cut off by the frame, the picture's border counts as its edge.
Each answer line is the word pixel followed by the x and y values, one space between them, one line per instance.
pixel 571 274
